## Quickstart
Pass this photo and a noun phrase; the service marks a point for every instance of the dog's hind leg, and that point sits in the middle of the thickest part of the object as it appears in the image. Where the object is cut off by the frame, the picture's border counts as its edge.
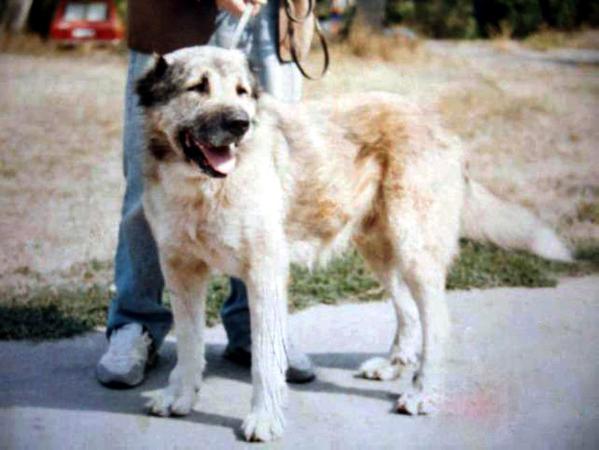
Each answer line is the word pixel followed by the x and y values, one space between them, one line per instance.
pixel 375 244
pixel 424 249
pixel 407 343
pixel 426 282
pixel 187 283
pixel 267 290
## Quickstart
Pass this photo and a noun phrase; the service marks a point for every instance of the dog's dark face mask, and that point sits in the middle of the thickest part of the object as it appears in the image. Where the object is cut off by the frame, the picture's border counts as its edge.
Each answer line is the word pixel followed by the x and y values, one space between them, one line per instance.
pixel 203 100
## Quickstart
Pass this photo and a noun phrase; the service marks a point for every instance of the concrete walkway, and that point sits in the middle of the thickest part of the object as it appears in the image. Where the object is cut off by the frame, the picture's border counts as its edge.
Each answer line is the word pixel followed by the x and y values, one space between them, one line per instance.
pixel 523 374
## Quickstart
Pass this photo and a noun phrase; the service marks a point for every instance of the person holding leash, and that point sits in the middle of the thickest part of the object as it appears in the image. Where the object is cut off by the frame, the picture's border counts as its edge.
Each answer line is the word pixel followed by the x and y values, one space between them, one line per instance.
pixel 137 320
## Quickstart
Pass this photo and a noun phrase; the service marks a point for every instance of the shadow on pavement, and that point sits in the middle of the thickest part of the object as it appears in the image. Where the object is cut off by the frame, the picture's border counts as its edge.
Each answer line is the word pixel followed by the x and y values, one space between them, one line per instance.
pixel 60 375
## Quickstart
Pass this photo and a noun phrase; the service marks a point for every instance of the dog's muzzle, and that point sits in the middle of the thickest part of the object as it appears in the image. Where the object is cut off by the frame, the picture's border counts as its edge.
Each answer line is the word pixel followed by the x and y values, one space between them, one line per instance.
pixel 212 145
pixel 237 123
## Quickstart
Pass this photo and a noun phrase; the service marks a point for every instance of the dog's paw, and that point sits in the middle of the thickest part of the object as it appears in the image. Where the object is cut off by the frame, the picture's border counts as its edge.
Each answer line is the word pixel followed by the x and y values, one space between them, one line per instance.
pixel 263 426
pixel 166 403
pixel 406 354
pixel 382 369
pixel 415 403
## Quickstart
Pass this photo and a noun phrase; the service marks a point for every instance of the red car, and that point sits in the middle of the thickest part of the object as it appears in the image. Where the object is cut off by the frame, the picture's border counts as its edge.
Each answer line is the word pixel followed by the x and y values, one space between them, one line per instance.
pixel 80 21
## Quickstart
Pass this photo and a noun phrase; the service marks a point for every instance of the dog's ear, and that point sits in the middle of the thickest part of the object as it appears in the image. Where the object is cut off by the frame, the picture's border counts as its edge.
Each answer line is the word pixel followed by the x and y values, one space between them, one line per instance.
pixel 157 85
pixel 160 64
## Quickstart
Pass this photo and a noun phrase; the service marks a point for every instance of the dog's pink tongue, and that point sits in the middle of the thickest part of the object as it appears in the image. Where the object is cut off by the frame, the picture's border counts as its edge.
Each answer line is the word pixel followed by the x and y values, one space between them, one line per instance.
pixel 222 161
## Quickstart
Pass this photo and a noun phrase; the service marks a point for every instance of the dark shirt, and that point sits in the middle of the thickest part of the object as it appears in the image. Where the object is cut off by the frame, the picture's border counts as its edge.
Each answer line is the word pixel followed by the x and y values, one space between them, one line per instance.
pixel 163 26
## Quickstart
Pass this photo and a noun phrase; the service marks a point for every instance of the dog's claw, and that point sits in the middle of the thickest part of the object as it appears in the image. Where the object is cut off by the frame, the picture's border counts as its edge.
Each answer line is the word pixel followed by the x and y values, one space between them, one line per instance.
pixel 415 403
pixel 382 369
pixel 158 407
pixel 263 427
pixel 165 404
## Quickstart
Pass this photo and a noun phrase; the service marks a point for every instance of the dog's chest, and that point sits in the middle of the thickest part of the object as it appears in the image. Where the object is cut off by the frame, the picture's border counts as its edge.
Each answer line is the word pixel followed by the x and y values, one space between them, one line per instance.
pixel 196 229
pixel 215 239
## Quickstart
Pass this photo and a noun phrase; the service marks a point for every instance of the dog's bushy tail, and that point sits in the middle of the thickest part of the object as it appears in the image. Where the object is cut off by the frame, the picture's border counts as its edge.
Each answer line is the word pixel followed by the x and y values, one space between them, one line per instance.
pixel 486 217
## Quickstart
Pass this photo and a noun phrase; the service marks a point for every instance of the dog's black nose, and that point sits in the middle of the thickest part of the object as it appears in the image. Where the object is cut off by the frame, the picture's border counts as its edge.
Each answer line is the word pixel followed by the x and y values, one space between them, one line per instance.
pixel 237 123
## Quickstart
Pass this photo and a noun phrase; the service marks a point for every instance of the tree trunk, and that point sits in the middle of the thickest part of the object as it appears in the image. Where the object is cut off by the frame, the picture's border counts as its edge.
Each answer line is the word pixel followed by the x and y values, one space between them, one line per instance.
pixel 14 16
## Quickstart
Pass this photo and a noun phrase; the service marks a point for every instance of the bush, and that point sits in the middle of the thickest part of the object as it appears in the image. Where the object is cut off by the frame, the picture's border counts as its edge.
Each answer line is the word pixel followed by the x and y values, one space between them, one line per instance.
pixel 399 11
pixel 559 13
pixel 570 14
pixel 436 18
pixel 588 12
pixel 470 18
pixel 446 18
pixel 519 17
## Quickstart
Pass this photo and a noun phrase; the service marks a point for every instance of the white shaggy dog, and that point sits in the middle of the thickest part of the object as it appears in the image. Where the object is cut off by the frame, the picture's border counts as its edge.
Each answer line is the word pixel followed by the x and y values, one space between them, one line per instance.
pixel 239 183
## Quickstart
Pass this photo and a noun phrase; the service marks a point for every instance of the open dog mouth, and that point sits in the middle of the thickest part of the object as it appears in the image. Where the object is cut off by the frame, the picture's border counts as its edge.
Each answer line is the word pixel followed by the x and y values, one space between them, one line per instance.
pixel 215 161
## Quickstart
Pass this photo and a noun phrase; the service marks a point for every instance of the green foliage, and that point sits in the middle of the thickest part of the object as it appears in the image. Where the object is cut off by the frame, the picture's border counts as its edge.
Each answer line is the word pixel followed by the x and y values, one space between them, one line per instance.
pixel 523 17
pixel 121 7
pixel 569 14
pixel 446 18
pixel 519 17
pixel 52 313
pixel 217 294
pixel 400 11
pixel 560 13
pixel 470 18
pixel 481 266
pixel 436 18
pixel 343 278
pixel 588 12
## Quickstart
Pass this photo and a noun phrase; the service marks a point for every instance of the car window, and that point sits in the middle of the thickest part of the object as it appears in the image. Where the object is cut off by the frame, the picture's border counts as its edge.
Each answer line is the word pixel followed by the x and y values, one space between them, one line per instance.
pixel 93 12
pixel 74 11
pixel 96 12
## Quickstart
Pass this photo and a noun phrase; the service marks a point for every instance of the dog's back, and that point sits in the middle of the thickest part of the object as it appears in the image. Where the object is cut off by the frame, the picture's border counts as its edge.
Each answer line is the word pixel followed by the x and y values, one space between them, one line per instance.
pixel 345 158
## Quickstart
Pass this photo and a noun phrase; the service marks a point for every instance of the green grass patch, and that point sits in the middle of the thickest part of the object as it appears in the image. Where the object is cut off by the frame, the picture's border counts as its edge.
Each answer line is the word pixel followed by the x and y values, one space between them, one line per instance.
pixel 52 313
pixel 56 313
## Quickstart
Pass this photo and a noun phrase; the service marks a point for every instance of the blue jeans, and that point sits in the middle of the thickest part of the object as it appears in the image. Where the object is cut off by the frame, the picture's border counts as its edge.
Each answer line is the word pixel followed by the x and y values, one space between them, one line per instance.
pixel 138 278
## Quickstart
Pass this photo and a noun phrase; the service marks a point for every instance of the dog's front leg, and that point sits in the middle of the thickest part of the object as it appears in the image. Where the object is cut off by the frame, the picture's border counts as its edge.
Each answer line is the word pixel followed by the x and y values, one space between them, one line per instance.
pixel 188 283
pixel 267 289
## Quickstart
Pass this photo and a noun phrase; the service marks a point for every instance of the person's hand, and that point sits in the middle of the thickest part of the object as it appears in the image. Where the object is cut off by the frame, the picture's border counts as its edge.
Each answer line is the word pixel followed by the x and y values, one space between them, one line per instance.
pixel 236 7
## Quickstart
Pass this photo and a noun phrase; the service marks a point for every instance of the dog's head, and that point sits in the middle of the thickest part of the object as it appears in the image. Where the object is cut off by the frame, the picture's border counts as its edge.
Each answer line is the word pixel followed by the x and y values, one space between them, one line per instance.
pixel 202 100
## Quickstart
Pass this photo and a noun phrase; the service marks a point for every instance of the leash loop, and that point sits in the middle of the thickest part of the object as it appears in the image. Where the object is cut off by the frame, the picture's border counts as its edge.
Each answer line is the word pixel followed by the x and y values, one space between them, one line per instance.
pixel 325 50
pixel 289 11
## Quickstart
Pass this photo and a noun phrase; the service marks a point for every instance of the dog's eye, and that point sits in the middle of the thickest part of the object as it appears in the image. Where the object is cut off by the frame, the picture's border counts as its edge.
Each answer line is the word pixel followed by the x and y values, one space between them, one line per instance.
pixel 241 90
pixel 203 87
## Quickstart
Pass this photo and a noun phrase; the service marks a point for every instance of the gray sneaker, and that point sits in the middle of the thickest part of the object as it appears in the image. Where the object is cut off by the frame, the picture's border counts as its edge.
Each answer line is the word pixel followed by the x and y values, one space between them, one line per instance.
pixel 300 370
pixel 129 354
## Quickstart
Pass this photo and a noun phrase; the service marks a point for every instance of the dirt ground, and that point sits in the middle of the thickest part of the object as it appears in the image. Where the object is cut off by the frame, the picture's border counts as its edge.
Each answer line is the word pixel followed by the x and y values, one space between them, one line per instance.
pixel 528 120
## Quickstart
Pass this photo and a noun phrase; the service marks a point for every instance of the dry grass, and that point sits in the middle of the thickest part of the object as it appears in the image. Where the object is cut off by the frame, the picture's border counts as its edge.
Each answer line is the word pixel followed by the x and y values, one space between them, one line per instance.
pixel 365 42
pixel 501 39
pixel 534 147
pixel 552 39
pixel 60 163
pixel 33 44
